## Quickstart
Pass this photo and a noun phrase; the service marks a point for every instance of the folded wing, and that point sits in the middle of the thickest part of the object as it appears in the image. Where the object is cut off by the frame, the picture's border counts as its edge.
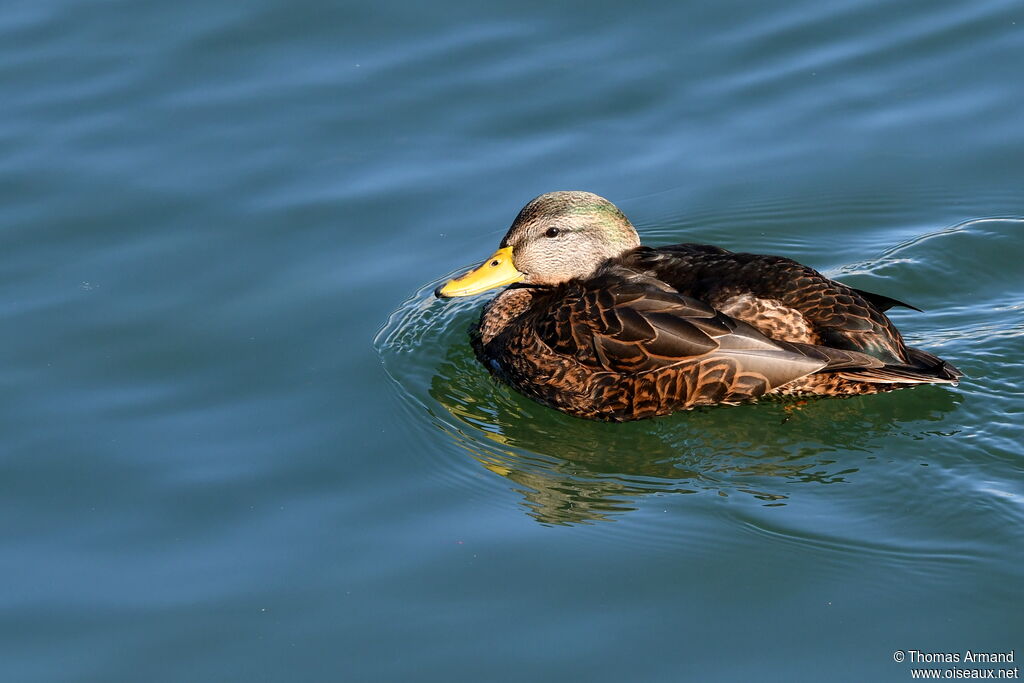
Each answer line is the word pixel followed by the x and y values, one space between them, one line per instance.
pixel 636 326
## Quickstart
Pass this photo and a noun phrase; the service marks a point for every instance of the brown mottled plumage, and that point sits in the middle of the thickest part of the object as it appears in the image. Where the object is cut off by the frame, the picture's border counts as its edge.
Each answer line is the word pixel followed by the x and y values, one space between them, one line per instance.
pixel 600 327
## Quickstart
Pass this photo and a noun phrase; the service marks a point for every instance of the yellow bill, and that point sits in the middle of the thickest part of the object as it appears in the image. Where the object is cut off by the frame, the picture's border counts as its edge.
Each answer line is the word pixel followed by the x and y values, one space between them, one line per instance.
pixel 494 272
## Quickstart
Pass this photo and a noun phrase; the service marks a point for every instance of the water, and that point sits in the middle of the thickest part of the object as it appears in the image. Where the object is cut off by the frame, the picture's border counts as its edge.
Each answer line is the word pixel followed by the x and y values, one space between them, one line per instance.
pixel 241 441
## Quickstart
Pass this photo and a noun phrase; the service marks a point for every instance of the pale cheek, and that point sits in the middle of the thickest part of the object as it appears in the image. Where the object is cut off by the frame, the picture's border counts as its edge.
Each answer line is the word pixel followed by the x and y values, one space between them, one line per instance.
pixel 536 264
pixel 555 261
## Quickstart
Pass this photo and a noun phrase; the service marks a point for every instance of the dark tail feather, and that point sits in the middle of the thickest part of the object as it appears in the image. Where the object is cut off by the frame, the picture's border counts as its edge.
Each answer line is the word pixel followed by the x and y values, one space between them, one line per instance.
pixel 942 369
pixel 884 303
pixel 923 368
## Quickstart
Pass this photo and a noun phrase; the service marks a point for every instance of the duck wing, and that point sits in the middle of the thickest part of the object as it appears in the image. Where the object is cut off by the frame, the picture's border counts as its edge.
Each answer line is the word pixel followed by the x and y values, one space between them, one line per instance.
pixel 778 296
pixel 637 325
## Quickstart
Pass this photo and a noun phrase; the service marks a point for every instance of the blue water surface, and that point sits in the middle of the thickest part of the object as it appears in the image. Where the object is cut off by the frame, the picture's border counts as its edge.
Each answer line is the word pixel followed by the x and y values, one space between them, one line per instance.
pixel 241 441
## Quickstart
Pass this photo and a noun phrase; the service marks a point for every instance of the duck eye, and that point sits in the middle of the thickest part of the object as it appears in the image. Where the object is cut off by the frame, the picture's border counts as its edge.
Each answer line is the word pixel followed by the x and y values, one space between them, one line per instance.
pixel 552 232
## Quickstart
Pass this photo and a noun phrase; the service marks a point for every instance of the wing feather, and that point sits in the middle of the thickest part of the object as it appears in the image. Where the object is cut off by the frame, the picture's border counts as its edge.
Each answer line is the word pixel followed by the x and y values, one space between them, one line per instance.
pixel 629 327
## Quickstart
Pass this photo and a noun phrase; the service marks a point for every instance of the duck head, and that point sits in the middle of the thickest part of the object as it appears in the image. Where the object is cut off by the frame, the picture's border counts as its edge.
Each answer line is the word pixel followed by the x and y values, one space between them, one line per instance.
pixel 557 237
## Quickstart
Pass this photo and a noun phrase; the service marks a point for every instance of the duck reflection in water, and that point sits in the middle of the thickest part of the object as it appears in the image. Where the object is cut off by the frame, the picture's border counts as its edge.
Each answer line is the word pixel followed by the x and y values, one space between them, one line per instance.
pixel 573 471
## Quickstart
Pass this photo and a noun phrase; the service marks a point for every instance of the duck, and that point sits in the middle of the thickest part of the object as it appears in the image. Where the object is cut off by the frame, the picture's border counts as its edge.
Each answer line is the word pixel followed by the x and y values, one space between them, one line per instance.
pixel 594 324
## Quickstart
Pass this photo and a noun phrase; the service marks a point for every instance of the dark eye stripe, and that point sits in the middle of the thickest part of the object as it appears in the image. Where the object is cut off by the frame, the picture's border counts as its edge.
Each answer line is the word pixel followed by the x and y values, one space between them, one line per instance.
pixel 552 232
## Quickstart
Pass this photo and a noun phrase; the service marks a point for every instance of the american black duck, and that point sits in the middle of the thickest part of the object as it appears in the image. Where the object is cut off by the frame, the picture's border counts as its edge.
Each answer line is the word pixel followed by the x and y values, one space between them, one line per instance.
pixel 600 327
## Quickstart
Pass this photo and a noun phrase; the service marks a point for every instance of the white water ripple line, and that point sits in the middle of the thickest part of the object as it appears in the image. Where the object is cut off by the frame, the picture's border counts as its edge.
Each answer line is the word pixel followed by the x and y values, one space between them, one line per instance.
pixel 889 256
pixel 959 227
